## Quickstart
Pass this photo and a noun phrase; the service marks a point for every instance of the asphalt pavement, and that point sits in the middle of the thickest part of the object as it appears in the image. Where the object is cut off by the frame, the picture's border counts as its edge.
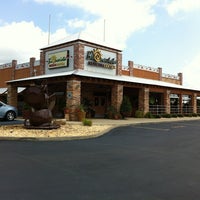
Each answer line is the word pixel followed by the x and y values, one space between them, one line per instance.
pixel 152 161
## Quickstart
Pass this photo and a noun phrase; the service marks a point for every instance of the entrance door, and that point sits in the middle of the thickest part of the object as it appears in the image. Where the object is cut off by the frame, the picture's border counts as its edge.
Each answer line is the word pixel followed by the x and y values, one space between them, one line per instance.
pixel 99 106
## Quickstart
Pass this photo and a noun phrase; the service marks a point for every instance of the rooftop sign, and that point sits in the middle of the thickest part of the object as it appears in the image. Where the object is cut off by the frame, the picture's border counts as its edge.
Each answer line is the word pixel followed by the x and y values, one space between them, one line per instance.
pixel 95 58
pixel 58 59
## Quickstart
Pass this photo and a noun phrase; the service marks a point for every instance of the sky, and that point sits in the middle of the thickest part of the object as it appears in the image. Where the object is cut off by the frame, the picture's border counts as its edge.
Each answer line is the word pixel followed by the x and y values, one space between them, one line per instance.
pixel 155 33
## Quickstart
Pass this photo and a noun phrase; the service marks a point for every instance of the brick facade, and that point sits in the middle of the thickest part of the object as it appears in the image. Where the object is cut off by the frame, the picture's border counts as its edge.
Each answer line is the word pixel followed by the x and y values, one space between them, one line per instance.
pixel 117 96
pixel 144 100
pixel 79 56
pixel 141 71
pixel 12 95
pixel 73 99
pixel 167 101
pixel 78 87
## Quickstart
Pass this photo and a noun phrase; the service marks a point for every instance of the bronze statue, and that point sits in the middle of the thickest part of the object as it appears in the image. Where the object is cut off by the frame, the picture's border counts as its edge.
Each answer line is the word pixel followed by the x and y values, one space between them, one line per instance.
pixel 41 105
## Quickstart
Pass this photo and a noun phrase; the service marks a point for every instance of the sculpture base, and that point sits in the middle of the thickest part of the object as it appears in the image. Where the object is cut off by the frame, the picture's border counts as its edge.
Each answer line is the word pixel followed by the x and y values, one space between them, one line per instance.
pixel 46 126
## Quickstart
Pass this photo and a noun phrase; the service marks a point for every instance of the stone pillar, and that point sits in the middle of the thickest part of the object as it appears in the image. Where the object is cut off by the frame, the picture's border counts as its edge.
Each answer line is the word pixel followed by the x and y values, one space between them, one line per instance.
pixel 144 100
pixel 12 95
pixel 119 64
pixel 42 63
pixel 32 62
pixel 78 56
pixel 194 102
pixel 73 98
pixel 180 75
pixel 130 65
pixel 167 101
pixel 14 66
pixel 117 96
pixel 160 73
pixel 180 103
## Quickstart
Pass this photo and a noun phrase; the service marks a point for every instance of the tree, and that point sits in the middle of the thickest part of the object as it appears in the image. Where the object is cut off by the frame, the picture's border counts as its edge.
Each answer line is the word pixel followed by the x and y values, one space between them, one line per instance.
pixel 126 107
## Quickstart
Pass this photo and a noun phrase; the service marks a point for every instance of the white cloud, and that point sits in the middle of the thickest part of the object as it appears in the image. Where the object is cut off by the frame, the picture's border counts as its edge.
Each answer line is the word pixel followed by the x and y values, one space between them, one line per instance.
pixel 76 23
pixel 22 40
pixel 191 73
pixel 176 6
pixel 123 17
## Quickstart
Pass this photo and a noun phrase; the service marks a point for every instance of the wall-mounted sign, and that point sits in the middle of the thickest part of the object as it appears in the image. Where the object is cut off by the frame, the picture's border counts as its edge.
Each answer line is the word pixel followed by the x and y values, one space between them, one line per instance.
pixel 95 58
pixel 58 59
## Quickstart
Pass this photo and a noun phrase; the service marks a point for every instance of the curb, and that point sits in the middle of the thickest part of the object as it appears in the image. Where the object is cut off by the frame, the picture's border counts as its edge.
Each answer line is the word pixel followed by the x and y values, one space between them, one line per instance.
pixel 66 138
pixel 49 139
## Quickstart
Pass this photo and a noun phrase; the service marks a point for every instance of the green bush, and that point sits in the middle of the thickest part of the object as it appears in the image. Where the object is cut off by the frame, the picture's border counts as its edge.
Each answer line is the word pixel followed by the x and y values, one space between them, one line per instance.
pixel 188 115
pixel 157 116
pixel 149 115
pixel 174 115
pixel 194 115
pixel 139 114
pixel 126 107
pixel 166 115
pixel 87 122
pixel 180 115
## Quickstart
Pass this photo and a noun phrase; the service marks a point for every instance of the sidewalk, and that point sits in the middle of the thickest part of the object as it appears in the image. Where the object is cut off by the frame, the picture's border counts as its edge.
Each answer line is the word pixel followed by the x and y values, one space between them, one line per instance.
pixel 131 121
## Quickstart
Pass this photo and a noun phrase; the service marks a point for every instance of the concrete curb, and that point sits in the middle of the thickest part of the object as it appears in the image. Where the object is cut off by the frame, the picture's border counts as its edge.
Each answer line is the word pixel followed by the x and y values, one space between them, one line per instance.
pixel 48 139
pixel 114 124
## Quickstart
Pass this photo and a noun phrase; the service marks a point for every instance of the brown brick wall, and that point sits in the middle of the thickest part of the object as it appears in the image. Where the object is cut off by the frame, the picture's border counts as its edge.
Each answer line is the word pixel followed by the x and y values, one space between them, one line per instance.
pixel 78 56
pixel 146 74
pixel 170 80
pixel 22 73
pixel 11 73
pixel 5 75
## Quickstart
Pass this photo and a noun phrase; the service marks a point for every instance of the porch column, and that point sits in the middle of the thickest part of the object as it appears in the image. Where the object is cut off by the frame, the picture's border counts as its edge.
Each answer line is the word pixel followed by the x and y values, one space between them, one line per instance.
pixel 167 101
pixel 117 96
pixel 180 103
pixel 12 95
pixel 73 98
pixel 194 102
pixel 144 100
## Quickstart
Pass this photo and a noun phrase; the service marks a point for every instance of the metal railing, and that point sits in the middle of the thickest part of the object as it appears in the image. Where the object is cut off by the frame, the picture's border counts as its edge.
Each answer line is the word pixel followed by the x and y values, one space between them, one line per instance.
pixel 157 109
pixel 161 109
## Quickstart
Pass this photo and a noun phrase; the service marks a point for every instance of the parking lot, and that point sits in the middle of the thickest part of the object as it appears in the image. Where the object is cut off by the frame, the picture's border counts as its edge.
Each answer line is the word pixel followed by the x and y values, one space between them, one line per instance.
pixel 155 161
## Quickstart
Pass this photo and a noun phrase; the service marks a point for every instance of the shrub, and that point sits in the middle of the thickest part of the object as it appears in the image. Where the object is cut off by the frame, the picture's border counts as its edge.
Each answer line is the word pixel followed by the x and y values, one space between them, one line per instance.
pixel 87 122
pixel 148 115
pixel 126 107
pixel 111 111
pixel 157 116
pixel 166 115
pixel 174 115
pixel 194 115
pixel 188 115
pixel 139 114
pixel 180 115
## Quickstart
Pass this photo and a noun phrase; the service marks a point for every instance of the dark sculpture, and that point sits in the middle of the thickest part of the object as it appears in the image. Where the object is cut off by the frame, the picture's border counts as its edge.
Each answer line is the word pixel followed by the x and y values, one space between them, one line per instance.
pixel 41 105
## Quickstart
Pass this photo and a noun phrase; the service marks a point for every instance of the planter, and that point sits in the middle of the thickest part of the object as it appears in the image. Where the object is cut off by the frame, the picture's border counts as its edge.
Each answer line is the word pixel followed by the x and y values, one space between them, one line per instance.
pixel 81 115
pixel 67 117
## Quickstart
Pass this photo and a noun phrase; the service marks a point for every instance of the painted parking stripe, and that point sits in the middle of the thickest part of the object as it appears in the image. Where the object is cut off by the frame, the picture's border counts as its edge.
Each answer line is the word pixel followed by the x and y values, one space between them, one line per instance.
pixel 151 128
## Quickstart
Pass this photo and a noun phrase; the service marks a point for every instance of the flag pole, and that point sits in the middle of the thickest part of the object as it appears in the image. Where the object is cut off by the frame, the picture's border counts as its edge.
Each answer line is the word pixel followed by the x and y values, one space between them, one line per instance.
pixel 104 30
pixel 49 29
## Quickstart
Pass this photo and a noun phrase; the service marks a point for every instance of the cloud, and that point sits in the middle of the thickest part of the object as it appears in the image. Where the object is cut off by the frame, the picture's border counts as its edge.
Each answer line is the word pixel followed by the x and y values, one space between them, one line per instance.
pixel 122 17
pixel 177 6
pixel 191 72
pixel 22 40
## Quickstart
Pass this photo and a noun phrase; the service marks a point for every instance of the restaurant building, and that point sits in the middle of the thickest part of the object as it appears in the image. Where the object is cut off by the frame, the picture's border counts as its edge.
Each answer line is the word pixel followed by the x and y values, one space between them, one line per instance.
pixel 80 70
